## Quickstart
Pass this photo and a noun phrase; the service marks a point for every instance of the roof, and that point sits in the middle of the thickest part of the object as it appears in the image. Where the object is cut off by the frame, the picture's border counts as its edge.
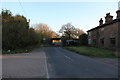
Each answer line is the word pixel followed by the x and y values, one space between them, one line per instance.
pixel 103 25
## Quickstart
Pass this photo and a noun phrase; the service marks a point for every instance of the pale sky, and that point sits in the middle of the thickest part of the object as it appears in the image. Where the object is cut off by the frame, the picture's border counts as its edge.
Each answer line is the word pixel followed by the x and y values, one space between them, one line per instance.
pixel 83 15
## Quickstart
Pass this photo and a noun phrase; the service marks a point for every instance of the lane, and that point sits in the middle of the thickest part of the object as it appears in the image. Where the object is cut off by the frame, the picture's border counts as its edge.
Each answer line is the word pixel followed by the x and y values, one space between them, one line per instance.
pixel 67 64
pixel 24 65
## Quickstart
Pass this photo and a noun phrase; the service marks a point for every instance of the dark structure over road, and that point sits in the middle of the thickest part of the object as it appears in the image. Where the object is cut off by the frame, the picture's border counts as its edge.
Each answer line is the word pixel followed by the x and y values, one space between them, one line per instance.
pixel 56 41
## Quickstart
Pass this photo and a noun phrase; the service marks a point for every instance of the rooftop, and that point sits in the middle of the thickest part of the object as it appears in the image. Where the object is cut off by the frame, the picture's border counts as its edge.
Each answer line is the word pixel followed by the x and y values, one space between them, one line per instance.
pixel 103 25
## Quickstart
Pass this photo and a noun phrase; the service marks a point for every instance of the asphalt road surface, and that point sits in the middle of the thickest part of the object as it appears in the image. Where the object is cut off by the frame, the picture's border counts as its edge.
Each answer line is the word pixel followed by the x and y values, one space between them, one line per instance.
pixel 66 64
pixel 55 62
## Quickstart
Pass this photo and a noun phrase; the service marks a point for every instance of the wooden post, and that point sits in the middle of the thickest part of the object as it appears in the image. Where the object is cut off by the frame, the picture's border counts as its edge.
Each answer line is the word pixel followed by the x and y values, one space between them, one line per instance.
pixel 118 40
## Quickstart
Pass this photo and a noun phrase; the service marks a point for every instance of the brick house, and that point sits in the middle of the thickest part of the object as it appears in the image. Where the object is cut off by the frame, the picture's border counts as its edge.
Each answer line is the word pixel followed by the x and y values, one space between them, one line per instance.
pixel 106 34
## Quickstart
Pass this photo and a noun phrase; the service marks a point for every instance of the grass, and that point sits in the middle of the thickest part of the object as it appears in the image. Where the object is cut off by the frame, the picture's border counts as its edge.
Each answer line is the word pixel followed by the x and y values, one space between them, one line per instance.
pixel 25 50
pixel 92 51
pixel 15 51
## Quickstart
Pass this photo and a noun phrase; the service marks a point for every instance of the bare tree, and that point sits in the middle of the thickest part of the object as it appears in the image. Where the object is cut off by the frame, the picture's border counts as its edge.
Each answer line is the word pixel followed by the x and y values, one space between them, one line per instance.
pixel 44 30
pixel 70 31
pixel 79 32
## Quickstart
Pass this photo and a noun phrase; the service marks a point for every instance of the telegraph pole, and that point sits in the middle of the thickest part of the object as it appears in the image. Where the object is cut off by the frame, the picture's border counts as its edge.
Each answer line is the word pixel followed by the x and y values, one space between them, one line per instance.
pixel 118 35
pixel 118 40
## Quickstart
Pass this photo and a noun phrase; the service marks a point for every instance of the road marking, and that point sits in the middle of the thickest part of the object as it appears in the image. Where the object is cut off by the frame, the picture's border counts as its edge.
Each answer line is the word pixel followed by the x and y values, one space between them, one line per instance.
pixel 64 55
pixel 46 67
pixel 68 57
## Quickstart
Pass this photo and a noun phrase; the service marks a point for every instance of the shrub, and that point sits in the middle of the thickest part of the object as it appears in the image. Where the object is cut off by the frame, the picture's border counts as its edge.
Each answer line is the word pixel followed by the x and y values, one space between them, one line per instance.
pixel 83 39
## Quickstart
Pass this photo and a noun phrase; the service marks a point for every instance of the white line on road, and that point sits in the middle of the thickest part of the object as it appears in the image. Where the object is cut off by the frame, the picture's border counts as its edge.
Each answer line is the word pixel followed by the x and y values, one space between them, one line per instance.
pixel 68 57
pixel 46 67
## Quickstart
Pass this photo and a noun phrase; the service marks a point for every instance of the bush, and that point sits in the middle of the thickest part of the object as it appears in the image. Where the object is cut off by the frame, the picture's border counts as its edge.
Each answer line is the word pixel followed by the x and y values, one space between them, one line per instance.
pixel 16 33
pixel 83 39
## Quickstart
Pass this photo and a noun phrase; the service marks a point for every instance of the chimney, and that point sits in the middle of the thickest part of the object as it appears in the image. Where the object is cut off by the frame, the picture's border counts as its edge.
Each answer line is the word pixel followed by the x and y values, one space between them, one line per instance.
pixel 119 5
pixel 100 21
pixel 108 17
pixel 118 13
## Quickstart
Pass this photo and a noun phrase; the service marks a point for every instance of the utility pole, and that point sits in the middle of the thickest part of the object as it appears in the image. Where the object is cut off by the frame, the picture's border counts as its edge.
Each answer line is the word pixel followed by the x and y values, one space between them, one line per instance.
pixel 118 40
pixel 118 35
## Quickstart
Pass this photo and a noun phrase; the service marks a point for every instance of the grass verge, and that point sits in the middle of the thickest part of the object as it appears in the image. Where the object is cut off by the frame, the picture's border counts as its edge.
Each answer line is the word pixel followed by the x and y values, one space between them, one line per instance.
pixel 92 51
pixel 25 50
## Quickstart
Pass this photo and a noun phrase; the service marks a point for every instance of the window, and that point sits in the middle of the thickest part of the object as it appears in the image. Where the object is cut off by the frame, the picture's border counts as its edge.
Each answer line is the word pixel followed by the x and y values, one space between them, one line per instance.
pixel 89 33
pixel 112 41
pixel 102 29
pixel 102 41
pixel 89 41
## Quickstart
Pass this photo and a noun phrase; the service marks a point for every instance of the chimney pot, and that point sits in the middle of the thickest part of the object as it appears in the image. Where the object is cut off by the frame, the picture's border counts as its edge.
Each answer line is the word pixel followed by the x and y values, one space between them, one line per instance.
pixel 100 21
pixel 108 17
pixel 118 13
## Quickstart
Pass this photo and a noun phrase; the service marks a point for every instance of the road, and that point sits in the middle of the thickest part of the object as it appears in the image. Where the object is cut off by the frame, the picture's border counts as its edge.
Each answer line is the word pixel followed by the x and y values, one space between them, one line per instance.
pixel 55 62
pixel 66 64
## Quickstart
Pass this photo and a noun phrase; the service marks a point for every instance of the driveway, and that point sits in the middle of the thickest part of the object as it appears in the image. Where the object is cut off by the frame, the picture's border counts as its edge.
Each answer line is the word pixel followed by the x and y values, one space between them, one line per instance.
pixel 24 65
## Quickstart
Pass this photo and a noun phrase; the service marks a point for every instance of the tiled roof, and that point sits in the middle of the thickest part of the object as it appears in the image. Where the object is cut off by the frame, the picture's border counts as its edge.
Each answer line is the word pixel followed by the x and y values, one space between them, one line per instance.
pixel 103 25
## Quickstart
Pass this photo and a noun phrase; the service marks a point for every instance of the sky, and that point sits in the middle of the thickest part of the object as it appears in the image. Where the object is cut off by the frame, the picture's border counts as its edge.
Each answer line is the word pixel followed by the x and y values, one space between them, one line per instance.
pixel 83 15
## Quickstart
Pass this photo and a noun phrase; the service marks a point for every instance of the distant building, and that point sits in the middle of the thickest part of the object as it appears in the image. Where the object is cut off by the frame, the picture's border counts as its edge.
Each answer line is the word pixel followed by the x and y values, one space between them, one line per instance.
pixel 106 34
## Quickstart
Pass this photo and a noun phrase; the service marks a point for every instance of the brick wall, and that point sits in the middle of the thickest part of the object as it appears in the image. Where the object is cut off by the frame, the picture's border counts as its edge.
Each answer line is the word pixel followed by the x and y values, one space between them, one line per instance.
pixel 104 37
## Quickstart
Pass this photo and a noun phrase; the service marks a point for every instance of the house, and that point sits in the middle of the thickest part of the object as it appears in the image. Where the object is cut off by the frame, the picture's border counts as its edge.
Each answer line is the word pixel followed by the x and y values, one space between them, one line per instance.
pixel 106 35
